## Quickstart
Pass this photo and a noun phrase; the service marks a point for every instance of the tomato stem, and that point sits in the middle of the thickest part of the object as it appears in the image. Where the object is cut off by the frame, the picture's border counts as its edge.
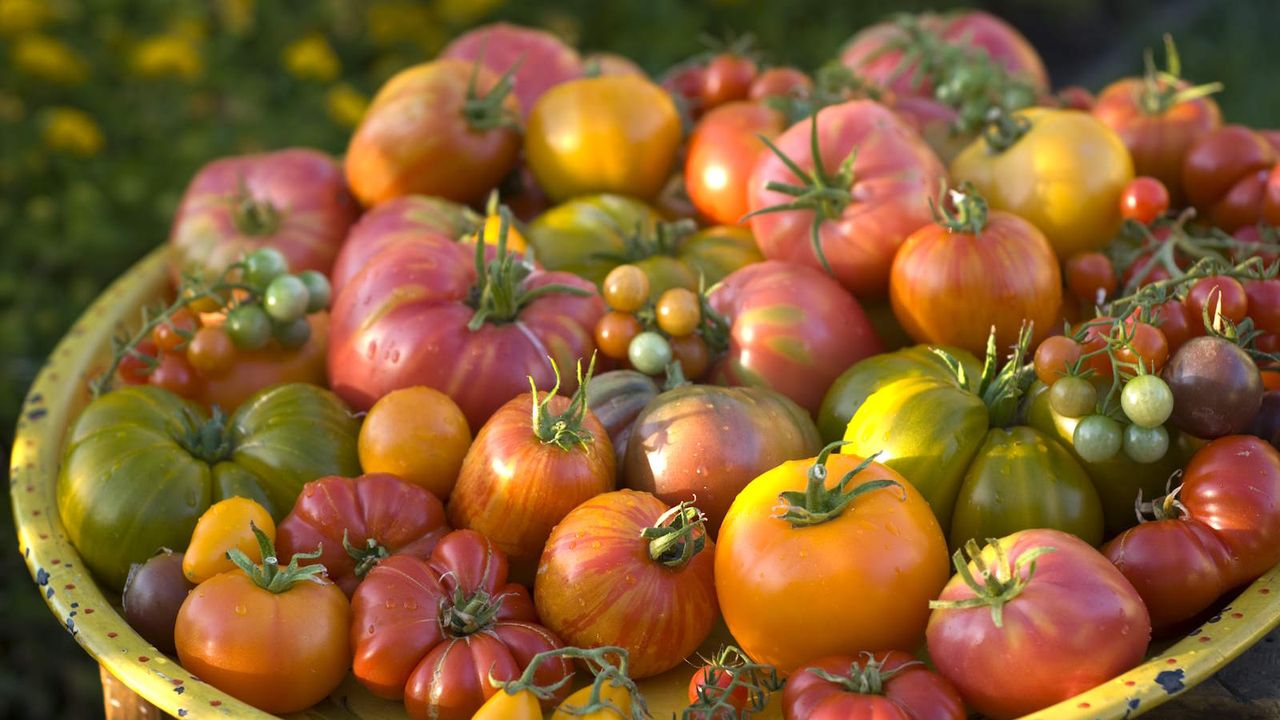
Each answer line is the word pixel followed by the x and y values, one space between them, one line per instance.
pixel 679 534
pixel 565 430
pixel 253 216
pixel 464 615
pixel 866 678
pixel 488 112
pixel 1003 130
pixel 269 575
pixel 999 583
pixel 593 658
pixel 817 503
pixel 209 441
pixel 715 700
pixel 970 214
pixel 1164 89
pixel 366 557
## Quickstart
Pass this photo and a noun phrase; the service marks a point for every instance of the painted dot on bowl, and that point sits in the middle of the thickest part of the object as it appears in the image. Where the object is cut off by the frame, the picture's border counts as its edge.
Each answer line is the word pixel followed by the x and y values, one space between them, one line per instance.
pixel 215 703
pixel 35 513
pixel 112 634
pixel 88 611
pixel 44 536
pixel 143 658
pixel 1172 661
pixel 1083 706
pixel 1237 615
pixel 1205 638
pixel 31 488
pixel 1129 683
pixel 55 561
pixel 176 681
pixel 69 586
pixel 1264 591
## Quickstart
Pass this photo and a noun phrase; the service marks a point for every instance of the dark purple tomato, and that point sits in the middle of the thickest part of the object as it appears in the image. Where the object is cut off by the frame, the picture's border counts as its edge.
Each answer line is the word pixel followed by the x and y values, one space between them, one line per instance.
pixel 1217 389
pixel 1266 424
pixel 153 593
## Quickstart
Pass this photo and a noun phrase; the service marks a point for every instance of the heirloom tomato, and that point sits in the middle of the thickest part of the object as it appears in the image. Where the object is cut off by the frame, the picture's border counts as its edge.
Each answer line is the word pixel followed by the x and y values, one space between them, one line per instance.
pixel 435 632
pixel 409 218
pixel 417 434
pixel 274 637
pixel 617 398
pixel 225 525
pixel 608 63
pixel 880 53
pixel 1217 389
pixel 726 77
pixel 1159 117
pixel 153 594
pixel 537 458
pixel 701 443
pixel 433 312
pixel 615 134
pixel 791 328
pixel 255 370
pixel 1061 170
pixel 615 698
pixel 590 236
pixel 643 582
pixel 1227 175
pixel 536 59
pixel 142 465
pixel 1039 605
pixel 804 538
pixel 843 190
pixel 957 439
pixel 974 269
pixel 722 153
pixel 357 523
pixel 784 82
pixel 295 201
pixel 446 127
pixel 889 685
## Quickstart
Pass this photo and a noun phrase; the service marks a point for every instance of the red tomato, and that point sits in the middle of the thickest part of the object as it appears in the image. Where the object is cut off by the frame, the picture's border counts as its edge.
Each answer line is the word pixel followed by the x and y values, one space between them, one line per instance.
pixel 791 328
pixel 175 374
pixel 1179 566
pixel 419 137
pixel 951 283
pixel 1074 622
pixel 1158 131
pixel 1233 486
pixel 134 369
pixel 607 63
pixel 897 687
pixel 1147 344
pixel 1212 292
pixel 1251 236
pixel 685 82
pixel 886 198
pixel 780 82
pixel 1097 335
pixel 871 54
pixel 295 201
pixel 1264 304
pixel 178 330
pixel 723 150
pixel 403 319
pixel 1074 97
pixel 1091 277
pixel 1176 323
pixel 373 517
pixel 652 595
pixel 540 59
pixel 1144 199
pixel 726 77
pixel 255 370
pixel 433 632
pixel 1225 174
pixel 1054 357
pixel 521 476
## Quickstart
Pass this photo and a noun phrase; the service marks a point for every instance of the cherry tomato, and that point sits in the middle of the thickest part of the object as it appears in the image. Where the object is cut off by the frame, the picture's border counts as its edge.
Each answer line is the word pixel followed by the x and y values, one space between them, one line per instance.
pixel 1054 356
pixel 263 265
pixel 626 287
pixel 1097 438
pixel 1073 397
pixel 707 677
pixel 1144 199
pixel 418 434
pixel 286 298
pixel 134 369
pixel 649 353
pixel 211 351
pixel 1147 345
pixel 292 334
pixel 227 524
pixel 176 375
pixel 1091 276
pixel 171 335
pixel 679 312
pixel 1176 323
pixel 780 82
pixel 1208 291
pixel 1145 444
pixel 152 595
pixel 727 77
pixel 1097 336
pixel 692 353
pixel 1264 304
pixel 319 291
pixel 614 333
pixel 1147 401
pixel 249 327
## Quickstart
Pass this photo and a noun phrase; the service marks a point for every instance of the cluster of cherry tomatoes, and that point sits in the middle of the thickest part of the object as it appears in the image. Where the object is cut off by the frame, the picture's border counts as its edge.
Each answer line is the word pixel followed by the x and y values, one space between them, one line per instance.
pixel 651 335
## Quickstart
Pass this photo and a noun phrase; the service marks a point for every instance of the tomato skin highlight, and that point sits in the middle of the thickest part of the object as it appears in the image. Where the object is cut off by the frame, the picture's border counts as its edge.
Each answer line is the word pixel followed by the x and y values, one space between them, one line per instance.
pixel 1178 566
pixel 723 150
pixel 1233 486
pixel 1225 174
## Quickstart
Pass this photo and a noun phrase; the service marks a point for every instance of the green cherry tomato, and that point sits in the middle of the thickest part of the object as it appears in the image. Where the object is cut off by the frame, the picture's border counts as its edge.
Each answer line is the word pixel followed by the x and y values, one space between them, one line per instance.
pixel 249 327
pixel 1097 438
pixel 1072 396
pixel 1145 444
pixel 1147 400
pixel 286 299
pixel 649 353
pixel 264 265
pixel 292 334
pixel 319 292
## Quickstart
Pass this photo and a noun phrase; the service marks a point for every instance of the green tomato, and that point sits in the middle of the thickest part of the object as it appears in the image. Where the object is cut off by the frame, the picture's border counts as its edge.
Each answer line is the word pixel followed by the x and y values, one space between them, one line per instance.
pixel 319 292
pixel 1097 438
pixel 1073 397
pixel 1147 400
pixel 249 327
pixel 286 299
pixel 264 265
pixel 649 352
pixel 292 334
pixel 1145 444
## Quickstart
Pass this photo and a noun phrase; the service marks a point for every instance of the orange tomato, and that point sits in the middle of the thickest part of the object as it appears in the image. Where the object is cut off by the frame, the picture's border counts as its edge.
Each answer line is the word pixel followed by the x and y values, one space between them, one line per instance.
pixel 419 434
pixel 256 370
pixel 490 230
pixel 225 525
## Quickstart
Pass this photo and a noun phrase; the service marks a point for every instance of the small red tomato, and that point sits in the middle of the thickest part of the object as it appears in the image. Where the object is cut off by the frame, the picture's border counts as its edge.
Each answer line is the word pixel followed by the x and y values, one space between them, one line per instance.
pixel 1264 304
pixel 1267 343
pixel 686 82
pixel 211 351
pixel 780 82
pixel 1097 336
pixel 1091 276
pixel 176 375
pixel 614 332
pixel 175 332
pixel 693 355
pixel 1147 344
pixel 1054 356
pixel 1144 199
pixel 1074 97
pixel 135 368
pixel 1146 269
pixel 1212 290
pixel 1176 323
pixel 708 677
pixel 727 77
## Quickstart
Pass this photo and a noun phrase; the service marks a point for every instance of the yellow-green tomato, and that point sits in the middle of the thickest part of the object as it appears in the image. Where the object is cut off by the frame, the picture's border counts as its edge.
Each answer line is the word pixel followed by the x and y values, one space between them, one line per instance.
pixel 1064 174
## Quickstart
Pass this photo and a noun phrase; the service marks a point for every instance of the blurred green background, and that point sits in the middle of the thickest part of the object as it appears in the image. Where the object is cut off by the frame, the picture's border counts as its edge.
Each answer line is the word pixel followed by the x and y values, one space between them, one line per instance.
pixel 107 107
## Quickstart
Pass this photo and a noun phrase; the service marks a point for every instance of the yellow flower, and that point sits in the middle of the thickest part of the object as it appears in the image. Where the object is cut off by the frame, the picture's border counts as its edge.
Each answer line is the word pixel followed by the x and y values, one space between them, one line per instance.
pixel 312 58
pixel 237 15
pixel 12 109
pixel 72 131
pixel 49 59
pixel 346 104
pixel 395 21
pixel 167 55
pixel 464 12
pixel 191 29
pixel 22 16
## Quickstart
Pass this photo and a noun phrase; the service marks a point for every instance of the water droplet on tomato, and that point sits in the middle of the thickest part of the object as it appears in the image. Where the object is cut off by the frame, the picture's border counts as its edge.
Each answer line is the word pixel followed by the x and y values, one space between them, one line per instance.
pixel 391 604
pixel 241 610
pixel 410 605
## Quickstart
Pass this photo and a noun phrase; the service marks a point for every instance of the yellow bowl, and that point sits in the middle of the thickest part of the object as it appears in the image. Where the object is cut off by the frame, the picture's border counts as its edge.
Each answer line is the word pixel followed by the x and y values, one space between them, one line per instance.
pixel 60 392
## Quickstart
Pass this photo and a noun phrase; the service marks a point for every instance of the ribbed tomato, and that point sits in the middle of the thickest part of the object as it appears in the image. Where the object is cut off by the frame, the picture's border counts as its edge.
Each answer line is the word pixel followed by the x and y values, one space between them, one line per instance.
pixel 889 685
pixel 722 153
pixel 1227 177
pixel 407 218
pixel 536 59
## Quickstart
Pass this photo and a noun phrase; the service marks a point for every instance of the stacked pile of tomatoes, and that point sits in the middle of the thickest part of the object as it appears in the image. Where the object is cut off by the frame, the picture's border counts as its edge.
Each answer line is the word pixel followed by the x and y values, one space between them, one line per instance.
pixel 561 365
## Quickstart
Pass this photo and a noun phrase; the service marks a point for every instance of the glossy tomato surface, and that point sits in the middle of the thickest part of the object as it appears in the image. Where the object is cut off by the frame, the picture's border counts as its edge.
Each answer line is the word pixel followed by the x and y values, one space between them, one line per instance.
pixel 909 690
pixel 1226 174
pixel 406 218
pixel 723 150
pixel 537 59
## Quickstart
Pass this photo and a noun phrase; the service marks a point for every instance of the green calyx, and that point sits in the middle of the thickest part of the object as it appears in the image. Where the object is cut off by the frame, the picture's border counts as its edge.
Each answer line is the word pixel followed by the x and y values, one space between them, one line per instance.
pixel 1003 130
pixel 823 193
pixel 1001 388
pixel 564 430
pixel 253 216
pixel 269 575
pixel 970 211
pixel 715 698
pixel 866 678
pixel 464 615
pixel 499 293
pixel 817 503
pixel 208 440
pixel 997 584
pixel 487 111
pixel 366 557
pixel 1162 89
pixel 596 659
pixel 678 535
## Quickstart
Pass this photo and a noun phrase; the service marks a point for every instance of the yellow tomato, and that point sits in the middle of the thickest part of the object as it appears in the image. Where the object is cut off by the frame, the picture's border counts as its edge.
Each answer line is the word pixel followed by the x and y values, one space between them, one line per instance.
pixel 492 226
pixel 523 705
pixel 613 692
pixel 1065 175
pixel 614 134
pixel 225 525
